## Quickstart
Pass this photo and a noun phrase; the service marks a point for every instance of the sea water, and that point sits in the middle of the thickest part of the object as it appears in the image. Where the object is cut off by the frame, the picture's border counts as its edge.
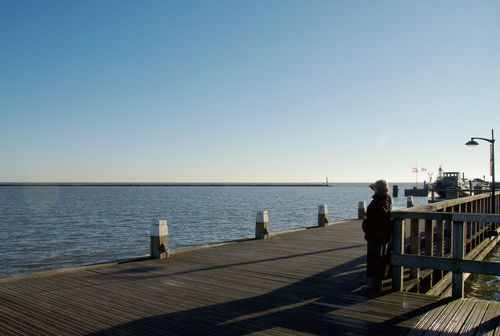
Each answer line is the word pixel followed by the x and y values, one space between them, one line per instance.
pixel 50 227
pixel 485 286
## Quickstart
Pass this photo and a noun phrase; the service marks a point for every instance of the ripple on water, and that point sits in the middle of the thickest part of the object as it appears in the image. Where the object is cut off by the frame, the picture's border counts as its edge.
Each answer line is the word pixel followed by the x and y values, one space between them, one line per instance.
pixel 481 286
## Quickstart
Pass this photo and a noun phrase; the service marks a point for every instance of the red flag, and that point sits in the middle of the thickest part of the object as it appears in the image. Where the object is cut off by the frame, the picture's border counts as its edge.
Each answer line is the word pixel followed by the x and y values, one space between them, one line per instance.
pixel 415 170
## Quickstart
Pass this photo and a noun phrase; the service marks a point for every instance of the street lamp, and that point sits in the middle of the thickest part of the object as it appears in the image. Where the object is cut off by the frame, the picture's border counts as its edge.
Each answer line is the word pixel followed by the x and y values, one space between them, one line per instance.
pixel 473 142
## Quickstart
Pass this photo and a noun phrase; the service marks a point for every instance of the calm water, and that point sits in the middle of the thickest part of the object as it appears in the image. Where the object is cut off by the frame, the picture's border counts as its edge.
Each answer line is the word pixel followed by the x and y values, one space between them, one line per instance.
pixel 51 227
pixel 485 286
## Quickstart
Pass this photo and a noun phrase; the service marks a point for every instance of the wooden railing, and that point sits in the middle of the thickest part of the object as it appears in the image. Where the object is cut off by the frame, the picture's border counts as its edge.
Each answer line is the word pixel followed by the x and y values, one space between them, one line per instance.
pixel 457 234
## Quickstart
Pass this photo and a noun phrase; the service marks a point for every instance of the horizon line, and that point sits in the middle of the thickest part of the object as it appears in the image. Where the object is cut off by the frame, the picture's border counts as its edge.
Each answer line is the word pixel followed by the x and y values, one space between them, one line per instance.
pixel 173 184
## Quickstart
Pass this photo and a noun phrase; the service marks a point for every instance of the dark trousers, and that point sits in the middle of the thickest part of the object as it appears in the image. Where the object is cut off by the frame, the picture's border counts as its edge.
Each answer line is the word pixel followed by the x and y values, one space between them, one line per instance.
pixel 378 260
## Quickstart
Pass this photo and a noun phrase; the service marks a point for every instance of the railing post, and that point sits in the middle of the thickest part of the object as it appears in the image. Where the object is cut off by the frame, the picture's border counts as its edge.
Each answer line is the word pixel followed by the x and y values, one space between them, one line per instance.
pixel 399 241
pixel 322 215
pixel 159 240
pixel 262 225
pixel 458 254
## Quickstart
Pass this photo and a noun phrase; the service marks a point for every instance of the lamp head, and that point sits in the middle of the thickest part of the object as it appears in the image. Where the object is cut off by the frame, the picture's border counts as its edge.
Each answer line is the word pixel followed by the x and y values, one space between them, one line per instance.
pixel 471 143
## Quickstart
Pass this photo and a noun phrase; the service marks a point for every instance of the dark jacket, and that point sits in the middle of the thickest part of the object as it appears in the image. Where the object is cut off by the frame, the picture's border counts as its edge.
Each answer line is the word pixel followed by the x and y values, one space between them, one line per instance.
pixel 378 225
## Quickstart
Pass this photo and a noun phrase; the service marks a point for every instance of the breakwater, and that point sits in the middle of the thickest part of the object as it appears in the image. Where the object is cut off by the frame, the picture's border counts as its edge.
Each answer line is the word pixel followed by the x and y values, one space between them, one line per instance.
pixel 159 184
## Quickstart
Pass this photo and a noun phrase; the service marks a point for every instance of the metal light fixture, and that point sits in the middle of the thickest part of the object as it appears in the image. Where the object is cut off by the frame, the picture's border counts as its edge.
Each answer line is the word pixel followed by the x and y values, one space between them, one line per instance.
pixel 473 143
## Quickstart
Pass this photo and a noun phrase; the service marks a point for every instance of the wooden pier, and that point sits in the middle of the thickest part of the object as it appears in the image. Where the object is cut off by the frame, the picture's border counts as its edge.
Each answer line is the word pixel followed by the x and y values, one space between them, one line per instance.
pixel 308 282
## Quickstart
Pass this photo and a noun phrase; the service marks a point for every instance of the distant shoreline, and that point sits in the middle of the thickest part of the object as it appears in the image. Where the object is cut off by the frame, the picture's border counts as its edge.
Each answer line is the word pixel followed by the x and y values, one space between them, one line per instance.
pixel 177 184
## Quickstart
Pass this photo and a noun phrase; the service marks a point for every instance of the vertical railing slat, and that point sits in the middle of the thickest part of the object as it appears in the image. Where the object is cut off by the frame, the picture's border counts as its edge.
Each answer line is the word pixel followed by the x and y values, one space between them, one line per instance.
pixel 414 245
pixel 429 238
pixel 457 281
pixel 398 248
pixel 439 244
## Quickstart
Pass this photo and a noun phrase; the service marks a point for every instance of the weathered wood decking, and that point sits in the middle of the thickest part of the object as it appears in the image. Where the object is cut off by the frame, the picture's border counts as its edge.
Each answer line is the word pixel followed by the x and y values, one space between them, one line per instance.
pixel 300 283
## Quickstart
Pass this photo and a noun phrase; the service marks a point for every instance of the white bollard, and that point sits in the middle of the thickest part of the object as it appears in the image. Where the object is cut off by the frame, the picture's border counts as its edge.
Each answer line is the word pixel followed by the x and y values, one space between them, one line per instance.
pixel 409 202
pixel 262 225
pixel 322 215
pixel 361 210
pixel 159 240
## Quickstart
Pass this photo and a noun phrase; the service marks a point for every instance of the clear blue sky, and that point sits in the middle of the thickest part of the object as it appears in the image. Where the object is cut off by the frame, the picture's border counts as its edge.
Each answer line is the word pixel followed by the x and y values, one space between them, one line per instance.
pixel 246 90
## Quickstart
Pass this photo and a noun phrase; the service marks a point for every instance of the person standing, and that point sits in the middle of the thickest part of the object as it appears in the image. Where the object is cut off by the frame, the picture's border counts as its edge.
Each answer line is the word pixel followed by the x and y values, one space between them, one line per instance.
pixel 378 229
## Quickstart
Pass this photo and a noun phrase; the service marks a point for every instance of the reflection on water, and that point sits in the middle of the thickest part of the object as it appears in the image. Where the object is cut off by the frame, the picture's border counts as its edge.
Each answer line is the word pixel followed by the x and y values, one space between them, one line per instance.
pixel 485 286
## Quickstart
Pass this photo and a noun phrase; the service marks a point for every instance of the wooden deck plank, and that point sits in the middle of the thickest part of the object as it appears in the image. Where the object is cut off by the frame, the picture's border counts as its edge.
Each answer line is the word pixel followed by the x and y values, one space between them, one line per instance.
pixel 454 325
pixel 426 321
pixel 440 322
pixel 473 322
pixel 490 322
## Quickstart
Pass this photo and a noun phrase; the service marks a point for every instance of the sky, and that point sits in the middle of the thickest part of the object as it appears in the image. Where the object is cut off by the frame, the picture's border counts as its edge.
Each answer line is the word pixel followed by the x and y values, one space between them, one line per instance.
pixel 240 90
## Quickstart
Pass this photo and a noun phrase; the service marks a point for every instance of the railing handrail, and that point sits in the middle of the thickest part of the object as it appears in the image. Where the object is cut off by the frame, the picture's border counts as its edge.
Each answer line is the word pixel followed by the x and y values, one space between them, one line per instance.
pixel 451 216
pixel 458 265
pixel 450 203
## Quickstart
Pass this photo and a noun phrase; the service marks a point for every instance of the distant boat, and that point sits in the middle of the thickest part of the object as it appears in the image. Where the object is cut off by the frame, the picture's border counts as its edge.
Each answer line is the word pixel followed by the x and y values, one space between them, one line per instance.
pixel 450 185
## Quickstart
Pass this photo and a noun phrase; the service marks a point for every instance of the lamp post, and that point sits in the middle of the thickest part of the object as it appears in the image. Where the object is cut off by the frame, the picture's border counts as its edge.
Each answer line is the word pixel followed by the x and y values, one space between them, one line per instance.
pixel 473 142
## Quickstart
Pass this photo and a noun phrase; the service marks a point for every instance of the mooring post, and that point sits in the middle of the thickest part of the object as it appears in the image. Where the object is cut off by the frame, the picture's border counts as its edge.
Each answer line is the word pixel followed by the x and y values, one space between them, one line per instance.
pixel 322 215
pixel 262 225
pixel 409 202
pixel 395 190
pixel 361 210
pixel 159 240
